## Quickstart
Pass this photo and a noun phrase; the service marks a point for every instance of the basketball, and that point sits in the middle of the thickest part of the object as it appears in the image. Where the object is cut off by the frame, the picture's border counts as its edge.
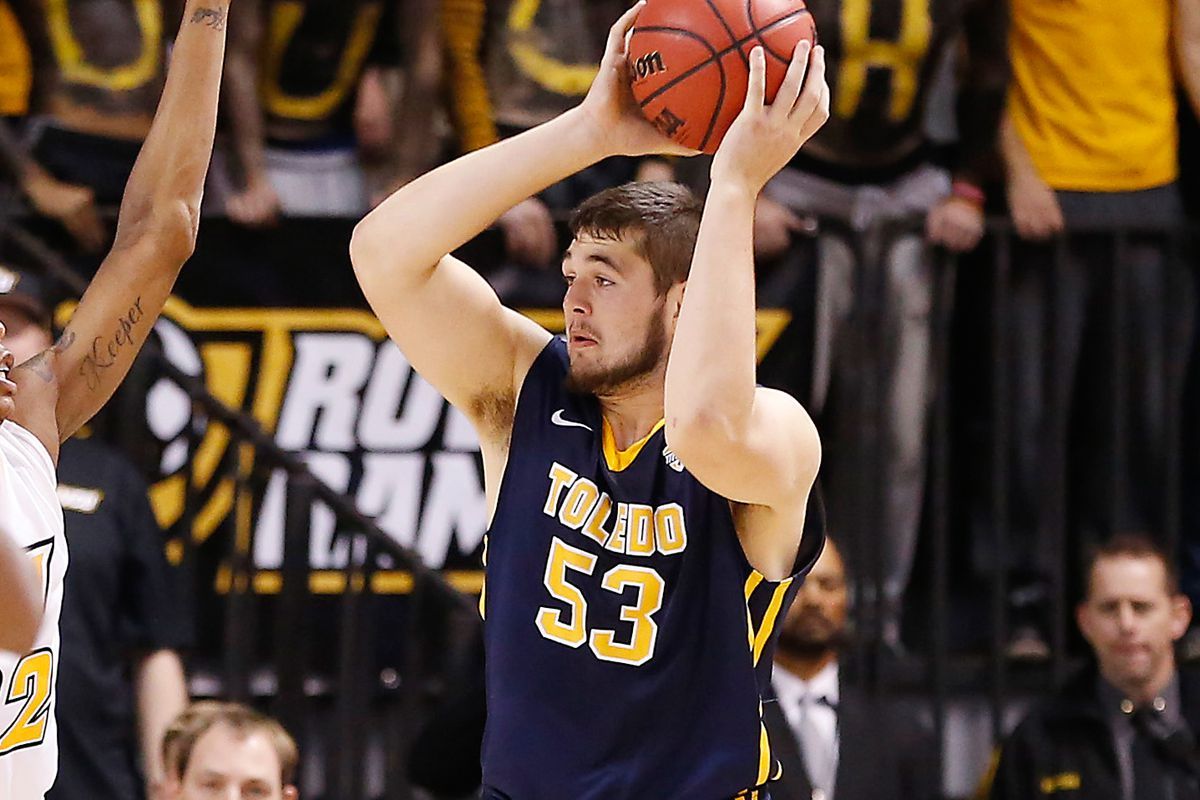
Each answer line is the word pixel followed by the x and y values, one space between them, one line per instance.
pixel 690 61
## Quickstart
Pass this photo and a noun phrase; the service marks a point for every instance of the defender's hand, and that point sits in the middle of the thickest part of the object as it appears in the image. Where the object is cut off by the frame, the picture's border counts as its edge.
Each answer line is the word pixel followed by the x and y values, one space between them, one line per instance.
pixel 956 224
pixel 609 107
pixel 764 138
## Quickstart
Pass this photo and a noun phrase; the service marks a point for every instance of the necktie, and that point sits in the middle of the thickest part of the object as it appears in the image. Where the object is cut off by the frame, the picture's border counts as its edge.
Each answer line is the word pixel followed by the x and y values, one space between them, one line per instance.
pixel 1149 770
pixel 820 759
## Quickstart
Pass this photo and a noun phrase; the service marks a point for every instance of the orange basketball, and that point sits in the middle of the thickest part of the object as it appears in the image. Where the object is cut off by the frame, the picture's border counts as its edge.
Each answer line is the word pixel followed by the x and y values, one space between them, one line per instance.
pixel 690 60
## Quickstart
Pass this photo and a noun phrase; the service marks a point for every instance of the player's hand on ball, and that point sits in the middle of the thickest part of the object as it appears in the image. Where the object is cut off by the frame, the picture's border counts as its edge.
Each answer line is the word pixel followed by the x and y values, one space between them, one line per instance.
pixel 610 108
pixel 764 138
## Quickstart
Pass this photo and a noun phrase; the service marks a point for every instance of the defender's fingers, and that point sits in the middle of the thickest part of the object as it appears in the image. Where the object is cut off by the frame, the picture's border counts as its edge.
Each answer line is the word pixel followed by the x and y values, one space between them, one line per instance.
pixel 757 89
pixel 793 81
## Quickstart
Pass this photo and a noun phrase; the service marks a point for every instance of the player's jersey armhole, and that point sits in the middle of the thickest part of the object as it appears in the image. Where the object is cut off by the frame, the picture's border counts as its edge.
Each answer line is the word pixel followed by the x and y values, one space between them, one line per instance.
pixel 522 401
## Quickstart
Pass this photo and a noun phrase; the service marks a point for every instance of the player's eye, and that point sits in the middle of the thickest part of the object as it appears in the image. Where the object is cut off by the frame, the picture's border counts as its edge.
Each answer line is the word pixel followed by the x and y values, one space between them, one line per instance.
pixel 568 279
pixel 602 281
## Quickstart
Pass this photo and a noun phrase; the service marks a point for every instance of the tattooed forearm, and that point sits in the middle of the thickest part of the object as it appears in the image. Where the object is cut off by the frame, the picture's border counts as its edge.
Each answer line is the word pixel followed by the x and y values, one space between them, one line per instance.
pixel 212 17
pixel 105 354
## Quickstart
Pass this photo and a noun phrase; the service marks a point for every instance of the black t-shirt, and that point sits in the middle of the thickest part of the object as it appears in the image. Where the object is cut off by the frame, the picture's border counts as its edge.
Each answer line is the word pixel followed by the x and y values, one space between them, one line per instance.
pixel 883 58
pixel 313 58
pixel 121 599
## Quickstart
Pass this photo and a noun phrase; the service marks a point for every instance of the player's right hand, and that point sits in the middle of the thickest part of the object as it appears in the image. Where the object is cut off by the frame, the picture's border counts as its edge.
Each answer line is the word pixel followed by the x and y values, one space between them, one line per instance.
pixel 764 138
pixel 529 235
pixel 609 108
pixel 257 206
pixel 1034 206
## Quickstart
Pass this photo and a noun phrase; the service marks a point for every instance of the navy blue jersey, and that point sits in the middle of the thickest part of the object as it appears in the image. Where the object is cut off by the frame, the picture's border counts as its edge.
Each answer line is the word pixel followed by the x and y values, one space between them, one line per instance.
pixel 628 639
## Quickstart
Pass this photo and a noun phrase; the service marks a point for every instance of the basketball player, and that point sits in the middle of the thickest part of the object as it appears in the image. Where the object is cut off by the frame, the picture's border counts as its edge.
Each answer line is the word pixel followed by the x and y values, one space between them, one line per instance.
pixel 646 499
pixel 47 398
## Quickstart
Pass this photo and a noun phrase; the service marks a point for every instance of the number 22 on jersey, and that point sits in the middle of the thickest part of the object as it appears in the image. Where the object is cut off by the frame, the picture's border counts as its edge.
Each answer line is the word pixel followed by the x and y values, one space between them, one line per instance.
pixel 28 687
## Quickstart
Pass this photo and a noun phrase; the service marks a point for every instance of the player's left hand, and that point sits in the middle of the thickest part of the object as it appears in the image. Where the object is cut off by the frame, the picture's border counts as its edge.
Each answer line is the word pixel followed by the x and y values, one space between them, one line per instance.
pixel 956 224
pixel 764 138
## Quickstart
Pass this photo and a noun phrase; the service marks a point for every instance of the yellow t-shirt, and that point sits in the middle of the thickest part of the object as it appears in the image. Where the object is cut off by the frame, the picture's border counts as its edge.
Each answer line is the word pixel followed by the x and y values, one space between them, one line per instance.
pixel 16 69
pixel 1093 94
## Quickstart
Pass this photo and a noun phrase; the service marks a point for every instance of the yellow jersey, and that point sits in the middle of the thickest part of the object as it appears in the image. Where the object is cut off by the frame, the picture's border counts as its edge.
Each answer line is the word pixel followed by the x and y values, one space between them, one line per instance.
pixel 16 67
pixel 1093 95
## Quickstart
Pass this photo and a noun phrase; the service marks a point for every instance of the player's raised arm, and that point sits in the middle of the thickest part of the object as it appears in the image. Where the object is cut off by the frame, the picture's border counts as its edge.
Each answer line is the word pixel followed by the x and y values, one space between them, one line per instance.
pixel 156 229
pixel 20 600
pixel 751 445
pixel 443 316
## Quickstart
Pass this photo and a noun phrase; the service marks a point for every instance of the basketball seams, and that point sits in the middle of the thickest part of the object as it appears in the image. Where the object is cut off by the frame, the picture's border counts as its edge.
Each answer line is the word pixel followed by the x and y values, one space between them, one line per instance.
pixel 716 55
pixel 733 40
pixel 713 59
pixel 770 26
pixel 666 35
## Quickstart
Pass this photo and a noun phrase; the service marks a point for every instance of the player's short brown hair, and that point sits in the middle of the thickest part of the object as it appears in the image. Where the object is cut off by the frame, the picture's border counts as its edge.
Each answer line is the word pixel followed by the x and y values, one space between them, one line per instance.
pixel 660 219
pixel 199 718
pixel 1130 545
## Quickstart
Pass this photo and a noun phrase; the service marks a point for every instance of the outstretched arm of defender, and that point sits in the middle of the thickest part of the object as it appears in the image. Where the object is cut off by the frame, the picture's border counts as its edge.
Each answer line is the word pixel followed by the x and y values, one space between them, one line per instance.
pixel 443 316
pixel 754 446
pixel 156 230
pixel 19 597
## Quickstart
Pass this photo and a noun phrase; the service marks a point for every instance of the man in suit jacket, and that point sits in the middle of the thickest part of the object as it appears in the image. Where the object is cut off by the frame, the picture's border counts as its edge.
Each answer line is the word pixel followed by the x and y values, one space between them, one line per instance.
pixel 832 740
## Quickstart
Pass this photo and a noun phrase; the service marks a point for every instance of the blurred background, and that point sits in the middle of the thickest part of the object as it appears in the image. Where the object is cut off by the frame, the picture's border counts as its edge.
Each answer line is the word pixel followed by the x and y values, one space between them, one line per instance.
pixel 979 278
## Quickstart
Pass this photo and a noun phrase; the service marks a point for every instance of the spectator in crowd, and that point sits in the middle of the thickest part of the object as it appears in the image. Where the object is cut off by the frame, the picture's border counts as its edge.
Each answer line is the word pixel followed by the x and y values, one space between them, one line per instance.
pixel 833 740
pixel 227 750
pixel 120 676
pixel 98 73
pixel 1092 144
pixel 873 165
pixel 1125 727
pixel 513 65
pixel 315 87
pixel 72 206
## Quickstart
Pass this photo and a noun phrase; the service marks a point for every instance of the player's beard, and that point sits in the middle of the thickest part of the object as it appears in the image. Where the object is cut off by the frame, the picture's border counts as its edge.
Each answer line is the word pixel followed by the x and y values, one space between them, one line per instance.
pixel 638 365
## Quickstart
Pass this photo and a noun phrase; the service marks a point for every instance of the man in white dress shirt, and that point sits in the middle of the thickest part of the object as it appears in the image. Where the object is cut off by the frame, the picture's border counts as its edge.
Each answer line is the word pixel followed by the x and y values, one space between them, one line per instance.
pixel 833 740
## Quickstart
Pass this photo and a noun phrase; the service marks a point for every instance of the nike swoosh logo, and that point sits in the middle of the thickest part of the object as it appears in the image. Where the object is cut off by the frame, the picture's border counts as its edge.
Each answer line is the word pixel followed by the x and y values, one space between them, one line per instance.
pixel 557 419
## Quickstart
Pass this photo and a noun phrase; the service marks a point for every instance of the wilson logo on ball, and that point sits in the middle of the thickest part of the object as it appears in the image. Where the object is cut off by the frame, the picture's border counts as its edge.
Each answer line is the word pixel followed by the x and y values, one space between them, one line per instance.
pixel 647 65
